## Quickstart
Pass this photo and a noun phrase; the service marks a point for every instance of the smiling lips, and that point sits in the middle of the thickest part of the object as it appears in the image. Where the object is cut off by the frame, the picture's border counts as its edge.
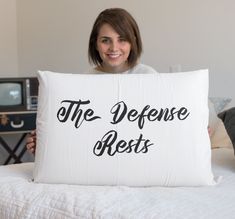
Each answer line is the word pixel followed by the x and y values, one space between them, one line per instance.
pixel 113 56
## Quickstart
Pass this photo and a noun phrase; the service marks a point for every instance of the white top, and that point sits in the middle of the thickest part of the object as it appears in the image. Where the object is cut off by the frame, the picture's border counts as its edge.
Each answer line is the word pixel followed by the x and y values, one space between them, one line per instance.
pixel 138 69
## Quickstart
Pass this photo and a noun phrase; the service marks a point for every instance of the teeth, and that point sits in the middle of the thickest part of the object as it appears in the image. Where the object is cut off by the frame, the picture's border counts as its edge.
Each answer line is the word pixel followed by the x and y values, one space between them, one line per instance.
pixel 113 55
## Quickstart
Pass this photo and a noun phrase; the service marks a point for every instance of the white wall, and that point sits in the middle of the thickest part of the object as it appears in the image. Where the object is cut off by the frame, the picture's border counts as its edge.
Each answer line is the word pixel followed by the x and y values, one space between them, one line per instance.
pixel 8 39
pixel 195 34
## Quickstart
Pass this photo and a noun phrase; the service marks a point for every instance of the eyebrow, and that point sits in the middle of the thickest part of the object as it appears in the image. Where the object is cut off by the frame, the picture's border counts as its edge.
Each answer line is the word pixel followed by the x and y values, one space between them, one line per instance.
pixel 106 37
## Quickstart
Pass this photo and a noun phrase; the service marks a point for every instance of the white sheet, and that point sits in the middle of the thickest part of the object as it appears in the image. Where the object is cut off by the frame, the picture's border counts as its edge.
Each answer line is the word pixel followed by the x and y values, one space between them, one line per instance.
pixel 22 198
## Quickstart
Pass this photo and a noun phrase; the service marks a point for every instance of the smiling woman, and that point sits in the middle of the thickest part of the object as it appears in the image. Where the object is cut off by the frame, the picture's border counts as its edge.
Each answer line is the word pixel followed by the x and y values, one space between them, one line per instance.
pixel 113 49
pixel 115 35
pixel 115 46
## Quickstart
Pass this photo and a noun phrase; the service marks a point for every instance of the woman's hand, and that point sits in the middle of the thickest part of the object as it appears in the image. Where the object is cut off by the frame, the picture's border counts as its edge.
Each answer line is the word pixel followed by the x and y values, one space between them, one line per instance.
pixel 31 142
pixel 209 131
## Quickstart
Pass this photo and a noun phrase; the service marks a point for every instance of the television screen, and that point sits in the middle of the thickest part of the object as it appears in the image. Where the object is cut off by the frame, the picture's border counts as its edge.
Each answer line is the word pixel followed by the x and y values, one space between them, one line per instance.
pixel 10 94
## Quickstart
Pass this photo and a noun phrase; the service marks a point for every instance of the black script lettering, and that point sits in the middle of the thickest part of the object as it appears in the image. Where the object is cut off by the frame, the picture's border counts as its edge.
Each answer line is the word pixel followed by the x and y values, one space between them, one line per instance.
pixel 141 117
pixel 118 116
pixel 166 114
pixel 108 139
pixel 120 110
pixel 134 113
pixel 169 114
pixel 184 112
pixel 152 115
pixel 77 115
pixel 110 143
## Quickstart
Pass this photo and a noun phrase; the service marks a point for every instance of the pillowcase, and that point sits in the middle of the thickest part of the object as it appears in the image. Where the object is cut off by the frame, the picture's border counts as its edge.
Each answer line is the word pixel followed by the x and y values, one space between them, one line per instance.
pixel 123 129
pixel 218 134
pixel 228 118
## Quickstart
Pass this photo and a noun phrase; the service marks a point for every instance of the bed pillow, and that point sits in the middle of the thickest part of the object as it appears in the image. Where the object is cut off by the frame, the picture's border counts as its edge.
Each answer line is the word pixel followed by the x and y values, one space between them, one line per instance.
pixel 218 134
pixel 220 138
pixel 123 129
pixel 228 118
pixel 220 103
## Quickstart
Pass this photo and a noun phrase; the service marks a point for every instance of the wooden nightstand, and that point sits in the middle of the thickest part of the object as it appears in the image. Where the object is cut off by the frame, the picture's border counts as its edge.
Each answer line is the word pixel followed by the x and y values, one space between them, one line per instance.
pixel 12 123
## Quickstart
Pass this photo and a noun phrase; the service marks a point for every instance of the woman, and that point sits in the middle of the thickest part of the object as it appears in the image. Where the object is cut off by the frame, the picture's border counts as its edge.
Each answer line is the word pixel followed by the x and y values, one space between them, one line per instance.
pixel 115 46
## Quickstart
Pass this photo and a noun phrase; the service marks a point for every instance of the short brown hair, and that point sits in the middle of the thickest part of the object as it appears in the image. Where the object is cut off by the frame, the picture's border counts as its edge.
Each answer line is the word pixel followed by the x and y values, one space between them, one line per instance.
pixel 125 25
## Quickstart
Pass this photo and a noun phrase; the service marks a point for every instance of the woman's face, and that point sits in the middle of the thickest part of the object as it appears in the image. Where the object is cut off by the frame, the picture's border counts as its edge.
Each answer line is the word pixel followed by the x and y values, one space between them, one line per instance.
pixel 113 50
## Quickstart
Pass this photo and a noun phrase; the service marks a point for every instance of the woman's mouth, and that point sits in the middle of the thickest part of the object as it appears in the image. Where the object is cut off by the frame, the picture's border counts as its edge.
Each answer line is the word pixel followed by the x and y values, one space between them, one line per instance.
pixel 113 56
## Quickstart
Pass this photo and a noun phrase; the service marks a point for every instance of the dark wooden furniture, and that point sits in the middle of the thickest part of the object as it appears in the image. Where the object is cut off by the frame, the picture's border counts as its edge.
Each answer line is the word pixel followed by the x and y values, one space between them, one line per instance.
pixel 13 123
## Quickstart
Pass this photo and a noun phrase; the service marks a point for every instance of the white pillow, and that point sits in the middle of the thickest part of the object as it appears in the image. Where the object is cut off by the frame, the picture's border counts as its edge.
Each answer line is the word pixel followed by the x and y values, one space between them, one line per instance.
pixel 220 103
pixel 70 146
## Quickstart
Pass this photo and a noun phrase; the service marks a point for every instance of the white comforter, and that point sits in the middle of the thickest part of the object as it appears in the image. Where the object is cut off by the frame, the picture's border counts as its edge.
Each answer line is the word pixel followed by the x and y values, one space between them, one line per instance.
pixel 22 198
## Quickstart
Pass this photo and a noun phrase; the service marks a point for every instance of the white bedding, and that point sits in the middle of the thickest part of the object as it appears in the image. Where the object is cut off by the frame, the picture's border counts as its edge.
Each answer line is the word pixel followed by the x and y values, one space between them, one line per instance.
pixel 22 198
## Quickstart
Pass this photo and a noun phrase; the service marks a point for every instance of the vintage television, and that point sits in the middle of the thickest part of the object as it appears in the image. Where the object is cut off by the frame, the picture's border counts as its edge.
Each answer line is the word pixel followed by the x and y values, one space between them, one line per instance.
pixel 18 94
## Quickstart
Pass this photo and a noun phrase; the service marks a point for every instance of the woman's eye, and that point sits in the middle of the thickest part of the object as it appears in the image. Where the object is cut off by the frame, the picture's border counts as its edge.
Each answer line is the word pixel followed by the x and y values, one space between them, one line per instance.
pixel 105 41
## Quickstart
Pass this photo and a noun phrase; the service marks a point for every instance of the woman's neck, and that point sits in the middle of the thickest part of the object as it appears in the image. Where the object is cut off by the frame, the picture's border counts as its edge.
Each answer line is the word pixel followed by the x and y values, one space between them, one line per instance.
pixel 110 69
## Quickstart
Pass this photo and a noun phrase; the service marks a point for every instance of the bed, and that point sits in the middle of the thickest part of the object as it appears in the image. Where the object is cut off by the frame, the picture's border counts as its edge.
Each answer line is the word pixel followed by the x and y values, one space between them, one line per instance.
pixel 22 198
pixel 173 180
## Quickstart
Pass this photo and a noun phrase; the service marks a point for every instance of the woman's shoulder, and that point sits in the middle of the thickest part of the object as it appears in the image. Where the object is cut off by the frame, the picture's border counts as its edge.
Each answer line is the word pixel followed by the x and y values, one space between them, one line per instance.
pixel 137 69
pixel 142 69
pixel 92 70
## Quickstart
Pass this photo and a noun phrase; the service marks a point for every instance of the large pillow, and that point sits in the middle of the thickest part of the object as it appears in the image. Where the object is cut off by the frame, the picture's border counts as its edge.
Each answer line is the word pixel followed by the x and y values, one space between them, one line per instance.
pixel 220 103
pixel 228 118
pixel 123 129
pixel 218 134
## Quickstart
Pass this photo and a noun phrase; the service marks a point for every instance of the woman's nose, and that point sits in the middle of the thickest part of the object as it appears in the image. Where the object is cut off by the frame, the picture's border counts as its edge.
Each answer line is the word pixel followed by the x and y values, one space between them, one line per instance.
pixel 114 46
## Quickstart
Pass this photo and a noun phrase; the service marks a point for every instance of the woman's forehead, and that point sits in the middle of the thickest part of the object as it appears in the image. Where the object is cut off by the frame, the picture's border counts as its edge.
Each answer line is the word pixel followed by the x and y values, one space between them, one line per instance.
pixel 107 30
